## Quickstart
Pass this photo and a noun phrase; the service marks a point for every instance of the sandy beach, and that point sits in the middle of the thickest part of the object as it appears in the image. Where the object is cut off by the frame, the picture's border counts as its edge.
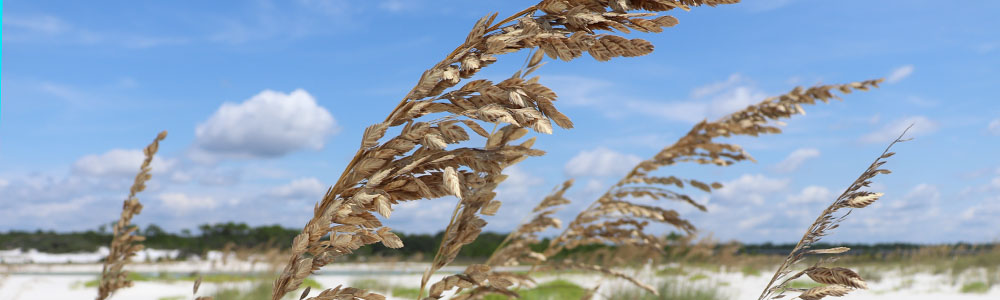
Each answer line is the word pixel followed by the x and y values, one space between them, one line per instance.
pixel 67 281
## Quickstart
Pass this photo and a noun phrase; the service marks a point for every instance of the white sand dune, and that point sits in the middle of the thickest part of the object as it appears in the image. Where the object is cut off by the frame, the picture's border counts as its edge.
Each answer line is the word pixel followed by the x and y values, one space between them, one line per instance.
pixel 33 275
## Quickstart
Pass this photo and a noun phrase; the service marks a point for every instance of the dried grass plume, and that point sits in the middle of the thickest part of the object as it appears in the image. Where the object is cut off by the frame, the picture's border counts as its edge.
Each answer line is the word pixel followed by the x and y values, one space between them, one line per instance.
pixel 126 243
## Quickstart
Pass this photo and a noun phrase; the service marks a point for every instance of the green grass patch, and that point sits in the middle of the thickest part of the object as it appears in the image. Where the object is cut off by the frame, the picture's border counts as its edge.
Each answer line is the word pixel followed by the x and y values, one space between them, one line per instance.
pixel 750 271
pixel 220 278
pixel 370 284
pixel 309 282
pixel 382 287
pixel 668 290
pixel 261 290
pixel 697 277
pixel 406 292
pixel 671 272
pixel 164 277
pixel 975 287
pixel 131 276
pixel 803 284
pixel 552 290
pixel 870 275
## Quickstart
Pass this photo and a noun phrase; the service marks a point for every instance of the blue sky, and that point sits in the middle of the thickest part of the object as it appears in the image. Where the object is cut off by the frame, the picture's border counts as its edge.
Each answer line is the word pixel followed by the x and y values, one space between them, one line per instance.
pixel 265 102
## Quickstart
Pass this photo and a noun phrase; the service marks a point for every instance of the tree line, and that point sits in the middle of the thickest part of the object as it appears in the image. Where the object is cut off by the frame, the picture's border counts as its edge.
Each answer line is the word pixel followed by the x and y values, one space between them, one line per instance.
pixel 242 236
pixel 222 235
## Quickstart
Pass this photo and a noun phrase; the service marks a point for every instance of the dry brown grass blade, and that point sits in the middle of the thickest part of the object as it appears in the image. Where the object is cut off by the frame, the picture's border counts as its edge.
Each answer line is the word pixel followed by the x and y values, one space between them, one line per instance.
pixel 696 146
pixel 819 292
pixel 568 264
pixel 613 219
pixel 125 243
pixel 843 279
pixel 409 165
pixel 499 283
pixel 197 284
pixel 841 276
pixel 346 293
pixel 477 277
pixel 515 248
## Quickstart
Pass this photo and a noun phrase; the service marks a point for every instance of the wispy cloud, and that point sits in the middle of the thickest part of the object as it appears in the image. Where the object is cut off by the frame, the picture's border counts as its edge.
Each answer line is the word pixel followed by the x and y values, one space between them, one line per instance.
pixel 580 90
pixel 811 194
pixel 118 163
pixel 994 127
pixel 921 126
pixel 299 189
pixel 264 21
pixel 903 216
pixel 900 73
pixel 987 207
pixel 707 102
pixel 519 193
pixel 38 24
pixel 329 7
pixel 795 159
pixel 752 188
pixel 754 221
pixel 712 100
pixel 766 5
pixel 393 5
pixel 181 203
pixel 600 162
pixel 53 29
pixel 986 48
pixel 55 209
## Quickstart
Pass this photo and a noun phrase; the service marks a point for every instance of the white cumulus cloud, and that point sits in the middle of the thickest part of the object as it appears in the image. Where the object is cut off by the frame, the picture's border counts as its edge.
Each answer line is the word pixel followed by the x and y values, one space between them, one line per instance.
pixel 812 194
pixel 270 124
pixel 898 74
pixel 300 188
pixel 921 125
pixel 182 203
pixel 749 188
pixel 795 159
pixel 600 162
pixel 118 163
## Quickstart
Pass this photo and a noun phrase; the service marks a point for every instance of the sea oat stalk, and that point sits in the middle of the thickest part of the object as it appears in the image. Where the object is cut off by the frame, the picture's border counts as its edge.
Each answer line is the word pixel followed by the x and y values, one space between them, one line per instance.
pixel 126 243
pixel 839 281
pixel 696 146
pixel 613 219
pixel 383 173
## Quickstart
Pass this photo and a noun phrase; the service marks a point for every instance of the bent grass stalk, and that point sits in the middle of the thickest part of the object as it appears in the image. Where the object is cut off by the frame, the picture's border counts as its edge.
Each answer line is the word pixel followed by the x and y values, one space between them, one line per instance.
pixel 126 243
pixel 383 173
pixel 613 219
pixel 837 281
pixel 406 157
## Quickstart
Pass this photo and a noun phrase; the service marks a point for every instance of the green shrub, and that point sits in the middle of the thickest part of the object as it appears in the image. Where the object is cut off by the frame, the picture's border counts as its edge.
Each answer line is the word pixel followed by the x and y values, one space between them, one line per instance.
pixel 669 290
pixel 976 287
pixel 552 290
